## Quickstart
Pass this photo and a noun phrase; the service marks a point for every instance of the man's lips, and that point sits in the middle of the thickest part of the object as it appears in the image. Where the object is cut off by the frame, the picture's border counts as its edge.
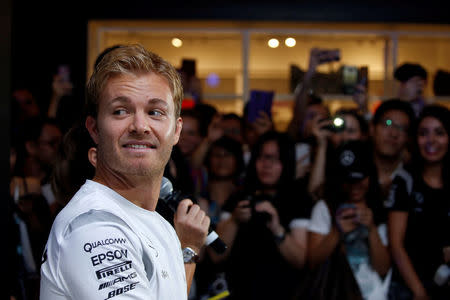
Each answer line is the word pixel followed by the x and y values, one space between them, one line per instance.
pixel 139 145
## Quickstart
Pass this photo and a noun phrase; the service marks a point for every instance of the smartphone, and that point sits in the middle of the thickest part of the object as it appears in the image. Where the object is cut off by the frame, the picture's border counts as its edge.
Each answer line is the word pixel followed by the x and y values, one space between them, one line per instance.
pixel 345 206
pixel 259 101
pixel 64 72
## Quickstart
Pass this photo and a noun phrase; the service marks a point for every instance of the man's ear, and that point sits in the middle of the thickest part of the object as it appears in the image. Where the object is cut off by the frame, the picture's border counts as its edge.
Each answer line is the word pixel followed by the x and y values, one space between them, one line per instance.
pixel 92 156
pixel 31 148
pixel 91 126
pixel 371 129
pixel 178 127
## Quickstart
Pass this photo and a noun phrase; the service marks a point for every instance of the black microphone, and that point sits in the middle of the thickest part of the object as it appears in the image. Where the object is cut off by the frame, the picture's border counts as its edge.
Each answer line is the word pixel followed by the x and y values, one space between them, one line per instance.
pixel 172 198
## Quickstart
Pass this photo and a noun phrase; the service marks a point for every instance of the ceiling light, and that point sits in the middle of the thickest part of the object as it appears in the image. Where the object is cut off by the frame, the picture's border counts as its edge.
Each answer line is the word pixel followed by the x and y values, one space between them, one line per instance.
pixel 273 43
pixel 290 42
pixel 176 42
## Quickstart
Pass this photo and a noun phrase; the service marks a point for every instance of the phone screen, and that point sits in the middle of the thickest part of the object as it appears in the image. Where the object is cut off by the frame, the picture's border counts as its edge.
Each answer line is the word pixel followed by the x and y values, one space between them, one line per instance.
pixel 259 101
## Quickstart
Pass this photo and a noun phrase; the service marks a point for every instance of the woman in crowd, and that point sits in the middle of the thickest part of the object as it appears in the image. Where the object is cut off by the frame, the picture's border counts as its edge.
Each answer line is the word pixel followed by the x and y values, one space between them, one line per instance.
pixel 419 226
pixel 225 164
pixel 328 137
pixel 264 225
pixel 347 222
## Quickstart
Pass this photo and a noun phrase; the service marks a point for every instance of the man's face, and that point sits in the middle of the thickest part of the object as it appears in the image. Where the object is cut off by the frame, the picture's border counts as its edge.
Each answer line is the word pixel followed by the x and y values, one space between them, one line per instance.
pixel 136 126
pixel 390 134
pixel 412 88
pixel 190 136
pixel 48 144
pixel 233 129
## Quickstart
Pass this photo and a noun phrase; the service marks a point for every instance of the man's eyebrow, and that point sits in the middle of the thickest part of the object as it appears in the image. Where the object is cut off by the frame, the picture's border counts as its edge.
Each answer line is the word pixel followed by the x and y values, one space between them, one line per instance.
pixel 121 99
pixel 157 101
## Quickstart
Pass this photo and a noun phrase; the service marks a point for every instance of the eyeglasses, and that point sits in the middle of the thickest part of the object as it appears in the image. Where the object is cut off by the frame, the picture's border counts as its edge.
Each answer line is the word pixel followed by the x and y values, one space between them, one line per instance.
pixel 388 123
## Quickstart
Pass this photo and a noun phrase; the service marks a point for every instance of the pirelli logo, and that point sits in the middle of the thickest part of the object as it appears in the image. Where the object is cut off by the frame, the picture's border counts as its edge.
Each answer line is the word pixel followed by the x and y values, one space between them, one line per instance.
pixel 115 269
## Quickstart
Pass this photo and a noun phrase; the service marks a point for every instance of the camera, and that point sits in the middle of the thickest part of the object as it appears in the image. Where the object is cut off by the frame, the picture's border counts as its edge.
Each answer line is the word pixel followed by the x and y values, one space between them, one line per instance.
pixel 326 56
pixel 259 216
pixel 337 124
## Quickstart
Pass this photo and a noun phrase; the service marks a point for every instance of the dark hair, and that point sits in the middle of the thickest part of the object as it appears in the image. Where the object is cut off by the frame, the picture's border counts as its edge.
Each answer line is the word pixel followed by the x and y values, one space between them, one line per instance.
pixel 408 70
pixel 207 113
pixel 363 126
pixel 442 114
pixel 231 116
pixel 395 104
pixel 286 149
pixel 194 114
pixel 231 146
pixel 73 167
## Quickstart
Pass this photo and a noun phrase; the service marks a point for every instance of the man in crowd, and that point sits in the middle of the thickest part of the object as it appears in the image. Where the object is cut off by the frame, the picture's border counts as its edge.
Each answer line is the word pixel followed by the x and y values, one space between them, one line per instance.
pixel 108 240
pixel 390 131
pixel 413 80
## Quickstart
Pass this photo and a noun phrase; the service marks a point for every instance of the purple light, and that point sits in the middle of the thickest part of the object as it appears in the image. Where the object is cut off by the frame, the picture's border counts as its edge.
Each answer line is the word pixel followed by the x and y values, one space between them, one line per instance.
pixel 212 79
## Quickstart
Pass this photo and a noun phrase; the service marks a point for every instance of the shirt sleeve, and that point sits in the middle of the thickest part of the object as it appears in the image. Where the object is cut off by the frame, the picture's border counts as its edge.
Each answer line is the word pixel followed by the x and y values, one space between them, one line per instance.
pixel 102 261
pixel 320 219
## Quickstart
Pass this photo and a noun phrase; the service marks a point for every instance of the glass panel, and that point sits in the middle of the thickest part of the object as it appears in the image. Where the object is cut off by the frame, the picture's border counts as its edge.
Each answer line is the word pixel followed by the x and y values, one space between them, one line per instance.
pixel 269 68
pixel 430 52
pixel 217 55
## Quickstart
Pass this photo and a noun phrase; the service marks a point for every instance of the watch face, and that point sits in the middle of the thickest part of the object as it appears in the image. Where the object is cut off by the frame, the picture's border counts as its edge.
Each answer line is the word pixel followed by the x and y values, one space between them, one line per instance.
pixel 188 255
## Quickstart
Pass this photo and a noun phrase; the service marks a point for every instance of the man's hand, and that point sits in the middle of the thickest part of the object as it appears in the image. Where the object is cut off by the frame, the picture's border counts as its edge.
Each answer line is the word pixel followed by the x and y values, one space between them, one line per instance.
pixel 319 132
pixel 191 225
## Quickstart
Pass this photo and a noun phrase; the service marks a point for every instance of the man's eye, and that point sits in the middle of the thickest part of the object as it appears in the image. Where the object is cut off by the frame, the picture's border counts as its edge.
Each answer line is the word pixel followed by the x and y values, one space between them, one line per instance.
pixel 120 112
pixel 156 113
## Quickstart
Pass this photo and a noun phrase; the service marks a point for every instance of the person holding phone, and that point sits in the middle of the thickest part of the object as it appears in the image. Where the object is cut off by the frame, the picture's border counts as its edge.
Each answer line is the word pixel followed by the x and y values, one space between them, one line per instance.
pixel 348 221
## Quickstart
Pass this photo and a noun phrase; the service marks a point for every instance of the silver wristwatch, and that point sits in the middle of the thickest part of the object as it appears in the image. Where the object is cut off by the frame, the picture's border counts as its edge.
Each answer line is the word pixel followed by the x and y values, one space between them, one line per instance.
pixel 189 256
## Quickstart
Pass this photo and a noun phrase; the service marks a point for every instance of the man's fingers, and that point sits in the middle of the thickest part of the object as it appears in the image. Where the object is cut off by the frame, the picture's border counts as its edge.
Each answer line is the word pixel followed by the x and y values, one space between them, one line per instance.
pixel 184 206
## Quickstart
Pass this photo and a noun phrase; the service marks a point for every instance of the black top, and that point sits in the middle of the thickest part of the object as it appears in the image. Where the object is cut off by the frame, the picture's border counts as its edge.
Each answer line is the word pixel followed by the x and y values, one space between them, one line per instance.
pixel 255 268
pixel 428 228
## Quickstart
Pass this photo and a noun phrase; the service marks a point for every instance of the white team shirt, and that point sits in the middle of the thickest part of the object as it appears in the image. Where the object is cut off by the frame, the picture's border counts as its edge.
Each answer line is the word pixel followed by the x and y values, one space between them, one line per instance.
pixel 102 246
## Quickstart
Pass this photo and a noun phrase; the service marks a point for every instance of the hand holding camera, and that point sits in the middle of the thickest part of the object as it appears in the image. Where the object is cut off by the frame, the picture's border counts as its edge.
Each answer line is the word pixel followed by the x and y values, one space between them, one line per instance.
pixel 274 222
pixel 242 212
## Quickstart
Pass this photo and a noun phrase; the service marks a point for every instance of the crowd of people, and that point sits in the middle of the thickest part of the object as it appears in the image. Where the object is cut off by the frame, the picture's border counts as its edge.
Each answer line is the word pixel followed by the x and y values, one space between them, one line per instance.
pixel 320 211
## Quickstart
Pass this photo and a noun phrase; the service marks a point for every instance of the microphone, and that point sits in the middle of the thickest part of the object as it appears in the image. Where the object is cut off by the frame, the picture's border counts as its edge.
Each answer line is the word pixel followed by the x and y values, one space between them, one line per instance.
pixel 172 198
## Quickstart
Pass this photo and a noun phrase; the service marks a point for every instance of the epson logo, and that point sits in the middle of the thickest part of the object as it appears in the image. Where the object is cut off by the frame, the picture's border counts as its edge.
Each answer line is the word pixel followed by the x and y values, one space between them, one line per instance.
pixel 122 290
pixel 116 280
pixel 109 256
pixel 109 241
pixel 112 270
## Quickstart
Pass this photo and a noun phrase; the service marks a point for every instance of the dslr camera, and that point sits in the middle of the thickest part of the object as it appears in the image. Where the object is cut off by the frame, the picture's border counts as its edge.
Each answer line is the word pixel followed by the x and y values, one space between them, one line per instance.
pixel 258 216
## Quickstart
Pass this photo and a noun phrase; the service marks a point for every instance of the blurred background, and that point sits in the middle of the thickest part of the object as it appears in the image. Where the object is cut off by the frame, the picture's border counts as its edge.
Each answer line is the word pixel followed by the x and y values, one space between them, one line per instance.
pixel 229 44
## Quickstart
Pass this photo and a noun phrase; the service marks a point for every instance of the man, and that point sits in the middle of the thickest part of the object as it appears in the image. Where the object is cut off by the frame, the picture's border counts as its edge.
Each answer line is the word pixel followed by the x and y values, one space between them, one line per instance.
pixel 109 241
pixel 390 131
pixel 413 80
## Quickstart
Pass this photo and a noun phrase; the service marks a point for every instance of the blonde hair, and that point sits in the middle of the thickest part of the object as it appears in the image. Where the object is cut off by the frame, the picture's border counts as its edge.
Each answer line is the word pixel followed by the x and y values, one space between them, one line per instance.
pixel 130 59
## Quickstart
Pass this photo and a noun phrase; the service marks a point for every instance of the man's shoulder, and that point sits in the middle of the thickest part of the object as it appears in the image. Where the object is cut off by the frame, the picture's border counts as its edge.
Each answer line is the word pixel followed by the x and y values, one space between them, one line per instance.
pixel 89 204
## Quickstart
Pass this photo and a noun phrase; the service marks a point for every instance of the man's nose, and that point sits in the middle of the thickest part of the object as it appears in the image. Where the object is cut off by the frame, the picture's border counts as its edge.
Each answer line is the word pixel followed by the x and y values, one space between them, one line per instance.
pixel 139 123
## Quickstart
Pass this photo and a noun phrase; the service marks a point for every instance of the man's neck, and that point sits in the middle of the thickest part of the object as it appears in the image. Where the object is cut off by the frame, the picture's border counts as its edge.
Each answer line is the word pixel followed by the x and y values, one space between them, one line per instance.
pixel 142 191
pixel 386 165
